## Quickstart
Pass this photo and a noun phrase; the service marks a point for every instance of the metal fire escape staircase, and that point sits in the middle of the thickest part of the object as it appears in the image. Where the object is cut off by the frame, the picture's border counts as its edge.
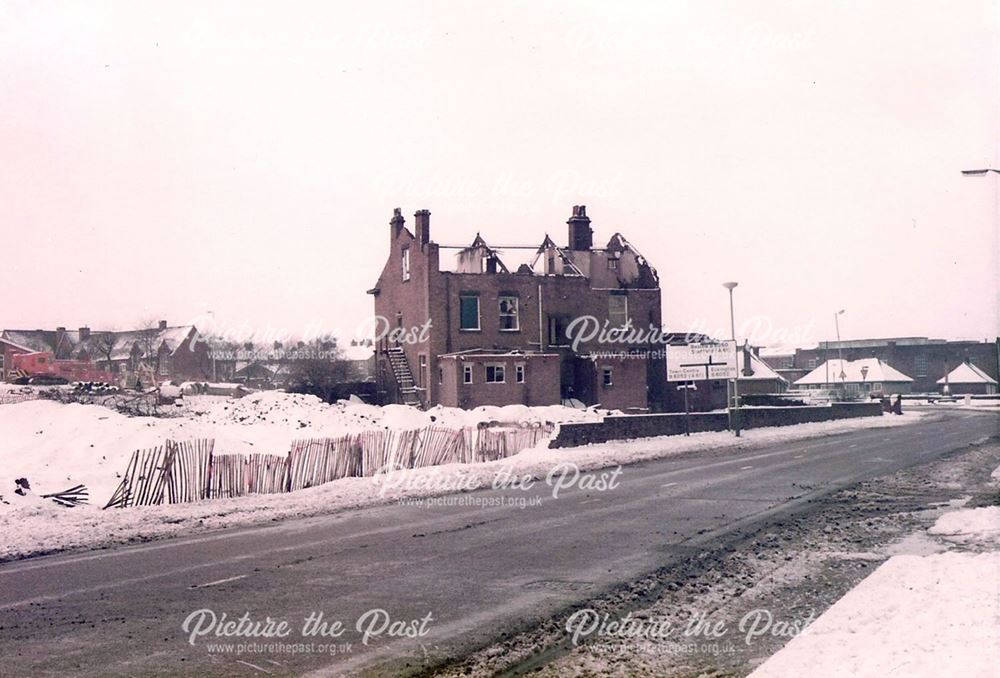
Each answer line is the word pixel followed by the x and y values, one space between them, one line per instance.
pixel 404 377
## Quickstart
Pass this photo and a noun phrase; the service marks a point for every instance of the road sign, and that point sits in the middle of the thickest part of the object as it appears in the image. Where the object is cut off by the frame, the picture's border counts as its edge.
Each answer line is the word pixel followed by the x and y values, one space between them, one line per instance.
pixel 695 362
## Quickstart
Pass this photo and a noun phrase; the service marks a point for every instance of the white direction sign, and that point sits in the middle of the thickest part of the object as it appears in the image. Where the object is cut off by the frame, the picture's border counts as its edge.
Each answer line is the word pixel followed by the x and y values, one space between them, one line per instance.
pixel 696 362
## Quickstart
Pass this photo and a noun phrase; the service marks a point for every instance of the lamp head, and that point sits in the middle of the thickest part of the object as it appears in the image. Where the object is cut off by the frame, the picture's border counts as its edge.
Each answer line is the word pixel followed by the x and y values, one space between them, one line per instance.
pixel 729 285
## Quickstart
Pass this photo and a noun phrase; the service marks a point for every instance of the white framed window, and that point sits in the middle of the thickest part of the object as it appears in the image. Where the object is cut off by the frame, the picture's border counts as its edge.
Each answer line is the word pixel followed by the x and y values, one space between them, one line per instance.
pixel 164 365
pixel 466 374
pixel 508 314
pixel 606 376
pixel 440 375
pixel 612 264
pixel 468 312
pixel 422 372
pixel 406 263
pixel 519 373
pixel 618 310
pixel 495 374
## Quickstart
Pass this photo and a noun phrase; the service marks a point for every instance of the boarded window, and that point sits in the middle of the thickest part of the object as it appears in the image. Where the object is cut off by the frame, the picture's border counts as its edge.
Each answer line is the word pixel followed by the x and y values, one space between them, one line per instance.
pixel 469 310
pixel 508 314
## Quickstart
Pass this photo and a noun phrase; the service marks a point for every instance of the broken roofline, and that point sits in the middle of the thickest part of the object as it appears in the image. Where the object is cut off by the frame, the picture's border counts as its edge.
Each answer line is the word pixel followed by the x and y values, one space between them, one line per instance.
pixel 616 245
pixel 578 259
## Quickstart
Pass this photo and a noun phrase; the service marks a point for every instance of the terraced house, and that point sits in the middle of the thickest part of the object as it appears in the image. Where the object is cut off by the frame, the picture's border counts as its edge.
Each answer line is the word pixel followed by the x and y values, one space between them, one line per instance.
pixel 171 352
pixel 498 324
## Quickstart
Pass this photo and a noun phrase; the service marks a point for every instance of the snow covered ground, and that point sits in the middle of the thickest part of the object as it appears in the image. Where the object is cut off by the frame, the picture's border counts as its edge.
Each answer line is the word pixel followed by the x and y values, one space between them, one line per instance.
pixel 916 615
pixel 969 526
pixel 57 446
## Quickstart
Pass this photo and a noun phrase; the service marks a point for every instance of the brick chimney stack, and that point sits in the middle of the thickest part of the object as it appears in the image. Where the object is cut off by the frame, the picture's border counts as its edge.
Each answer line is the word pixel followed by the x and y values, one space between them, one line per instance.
pixel 84 333
pixel 581 237
pixel 423 226
pixel 163 324
pixel 396 223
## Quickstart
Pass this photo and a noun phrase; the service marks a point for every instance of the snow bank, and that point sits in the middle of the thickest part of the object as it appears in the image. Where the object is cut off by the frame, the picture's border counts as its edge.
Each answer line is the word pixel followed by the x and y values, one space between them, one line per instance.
pixel 57 446
pixel 970 525
pixel 30 527
pixel 914 616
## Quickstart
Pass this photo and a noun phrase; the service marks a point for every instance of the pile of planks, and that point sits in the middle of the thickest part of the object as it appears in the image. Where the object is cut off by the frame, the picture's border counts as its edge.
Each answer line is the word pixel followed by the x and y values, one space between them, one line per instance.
pixel 74 496
pixel 14 398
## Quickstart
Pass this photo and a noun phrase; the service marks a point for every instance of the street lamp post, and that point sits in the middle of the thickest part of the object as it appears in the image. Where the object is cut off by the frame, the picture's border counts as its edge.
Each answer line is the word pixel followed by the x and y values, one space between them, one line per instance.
pixel 996 199
pixel 840 355
pixel 734 411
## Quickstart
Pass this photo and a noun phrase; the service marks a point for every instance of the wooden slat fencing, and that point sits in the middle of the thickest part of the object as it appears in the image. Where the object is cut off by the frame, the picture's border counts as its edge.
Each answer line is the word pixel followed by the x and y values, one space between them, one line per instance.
pixel 189 474
pixel 191 471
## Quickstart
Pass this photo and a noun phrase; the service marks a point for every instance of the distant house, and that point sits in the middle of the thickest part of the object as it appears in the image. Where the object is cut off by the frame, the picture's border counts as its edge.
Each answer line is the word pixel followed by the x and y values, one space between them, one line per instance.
pixel 360 358
pixel 9 349
pixel 869 376
pixel 755 377
pixel 758 376
pixel 924 359
pixel 968 379
pixel 172 353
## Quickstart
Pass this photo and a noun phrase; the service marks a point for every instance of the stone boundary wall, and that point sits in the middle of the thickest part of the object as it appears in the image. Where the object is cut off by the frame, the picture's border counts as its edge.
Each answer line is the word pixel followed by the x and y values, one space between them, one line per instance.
pixel 628 427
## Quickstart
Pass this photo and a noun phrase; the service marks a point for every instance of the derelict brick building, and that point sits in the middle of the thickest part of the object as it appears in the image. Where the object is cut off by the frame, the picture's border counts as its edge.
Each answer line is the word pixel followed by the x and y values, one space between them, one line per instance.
pixel 490 326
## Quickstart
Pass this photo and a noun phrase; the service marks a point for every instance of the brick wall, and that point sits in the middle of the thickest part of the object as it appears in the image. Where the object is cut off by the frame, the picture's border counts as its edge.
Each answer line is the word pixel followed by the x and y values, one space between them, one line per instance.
pixel 651 425
pixel 540 386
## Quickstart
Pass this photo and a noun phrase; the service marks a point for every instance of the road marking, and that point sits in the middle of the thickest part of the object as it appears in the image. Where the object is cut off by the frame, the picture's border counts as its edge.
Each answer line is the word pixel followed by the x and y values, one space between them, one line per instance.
pixel 667 484
pixel 850 446
pixel 798 456
pixel 218 581
pixel 744 468
pixel 254 666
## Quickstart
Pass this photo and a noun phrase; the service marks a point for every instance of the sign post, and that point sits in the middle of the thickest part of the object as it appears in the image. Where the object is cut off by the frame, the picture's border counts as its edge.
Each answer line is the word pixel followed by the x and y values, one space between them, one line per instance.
pixel 687 410
pixel 697 362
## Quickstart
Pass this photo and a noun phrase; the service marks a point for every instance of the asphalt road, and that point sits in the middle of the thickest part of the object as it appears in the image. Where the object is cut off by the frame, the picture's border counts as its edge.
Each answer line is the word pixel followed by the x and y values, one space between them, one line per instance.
pixel 479 571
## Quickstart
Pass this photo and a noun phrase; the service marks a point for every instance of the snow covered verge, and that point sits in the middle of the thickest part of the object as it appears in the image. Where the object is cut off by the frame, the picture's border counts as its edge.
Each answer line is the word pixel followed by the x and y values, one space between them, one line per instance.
pixel 32 526
pixel 970 526
pixel 914 616
pixel 57 446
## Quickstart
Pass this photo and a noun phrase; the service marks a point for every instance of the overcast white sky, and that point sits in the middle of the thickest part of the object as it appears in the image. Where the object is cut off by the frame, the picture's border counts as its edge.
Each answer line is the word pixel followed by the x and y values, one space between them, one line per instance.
pixel 167 159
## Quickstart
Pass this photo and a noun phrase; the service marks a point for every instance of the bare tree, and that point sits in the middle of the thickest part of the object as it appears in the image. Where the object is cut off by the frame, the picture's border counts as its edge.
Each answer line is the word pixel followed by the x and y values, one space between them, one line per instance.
pixel 317 368
pixel 147 341
pixel 105 344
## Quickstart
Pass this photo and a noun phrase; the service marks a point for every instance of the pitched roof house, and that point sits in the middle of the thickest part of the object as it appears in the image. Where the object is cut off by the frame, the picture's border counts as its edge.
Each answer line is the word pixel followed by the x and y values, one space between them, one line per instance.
pixel 869 375
pixel 173 352
pixel 968 379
